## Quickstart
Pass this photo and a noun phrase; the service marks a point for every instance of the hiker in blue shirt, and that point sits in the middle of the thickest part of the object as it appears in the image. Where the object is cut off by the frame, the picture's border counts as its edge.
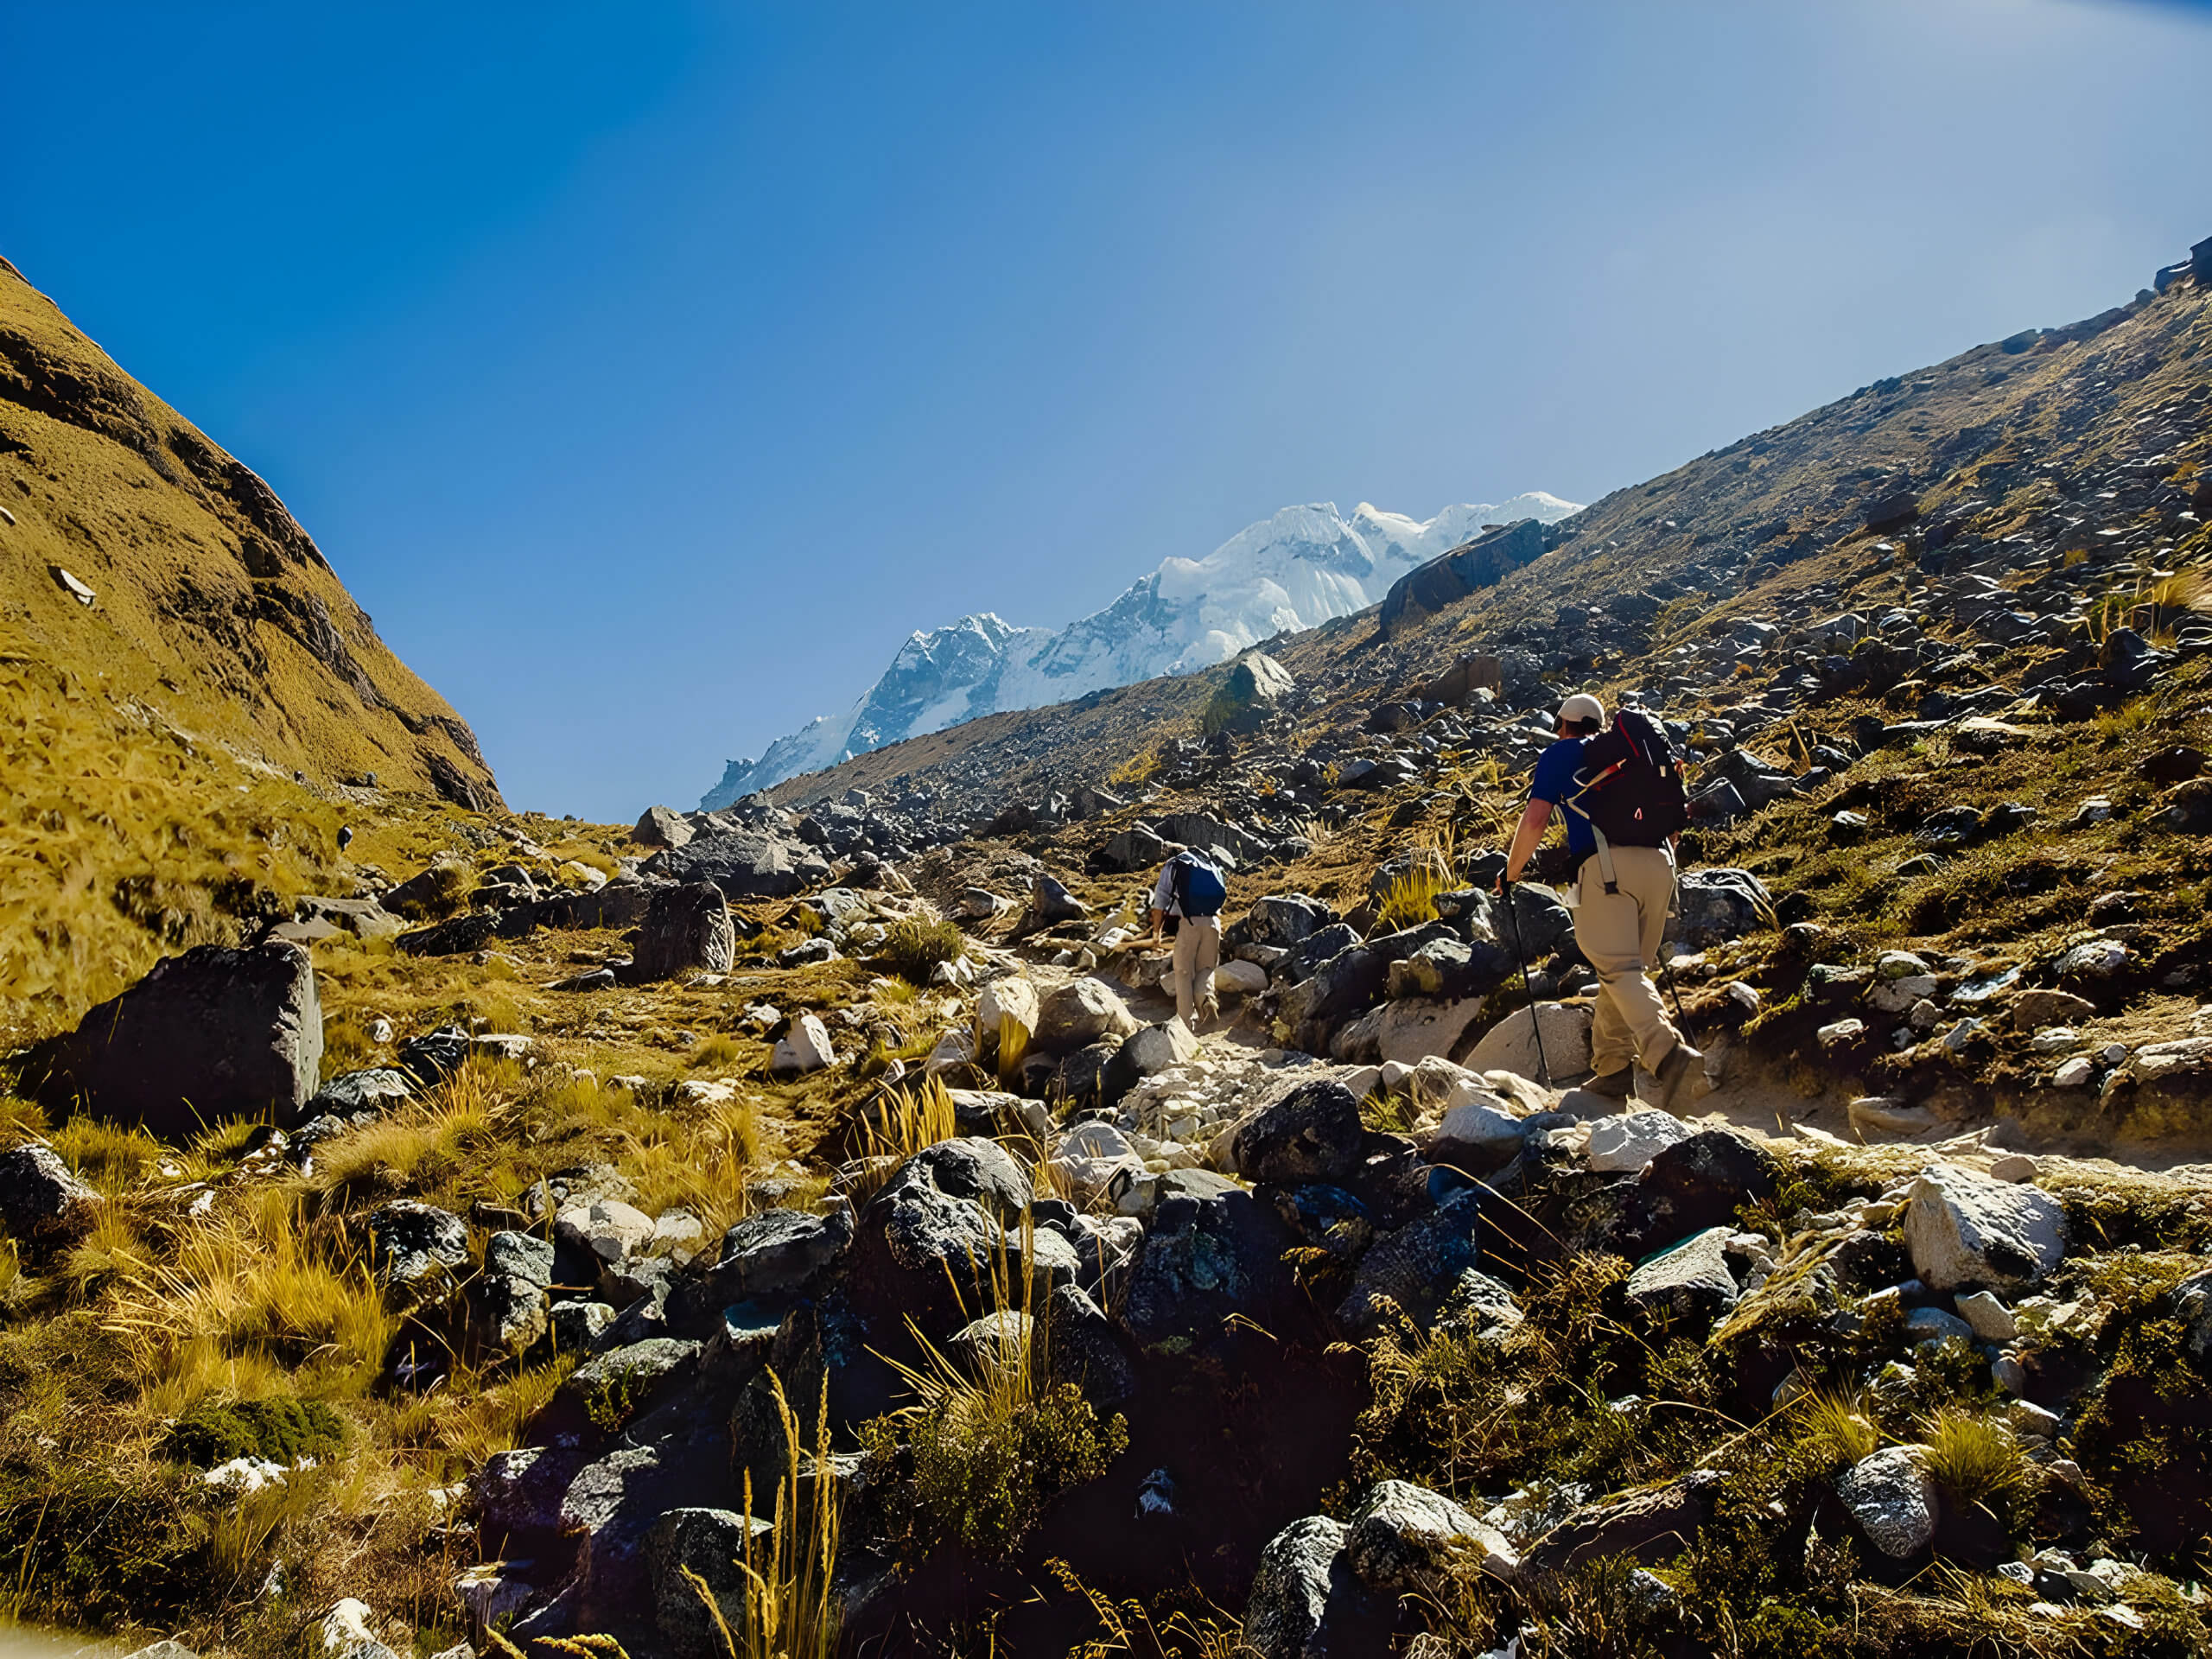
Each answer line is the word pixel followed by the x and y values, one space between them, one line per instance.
pixel 1191 889
pixel 1619 923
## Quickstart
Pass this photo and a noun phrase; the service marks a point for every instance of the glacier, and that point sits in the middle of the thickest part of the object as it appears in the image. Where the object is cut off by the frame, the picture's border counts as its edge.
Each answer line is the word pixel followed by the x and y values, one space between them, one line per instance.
pixel 1294 570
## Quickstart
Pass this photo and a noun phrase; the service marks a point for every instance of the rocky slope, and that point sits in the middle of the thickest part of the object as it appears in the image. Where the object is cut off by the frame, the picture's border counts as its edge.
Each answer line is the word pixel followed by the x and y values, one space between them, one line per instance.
pixel 839 1158
pixel 144 561
pixel 1301 567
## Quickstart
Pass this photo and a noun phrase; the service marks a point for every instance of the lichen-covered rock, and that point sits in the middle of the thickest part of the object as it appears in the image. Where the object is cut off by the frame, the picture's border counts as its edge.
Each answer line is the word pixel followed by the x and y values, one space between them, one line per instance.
pixel 1289 1604
pixel 1891 1497
pixel 1312 1133
pixel 1083 1011
pixel 780 1253
pixel 413 1247
pixel 1403 1539
pixel 710 1543
pixel 43 1207
pixel 1688 1282
pixel 1964 1229
pixel 1415 1268
pixel 1626 1144
pixel 1211 1253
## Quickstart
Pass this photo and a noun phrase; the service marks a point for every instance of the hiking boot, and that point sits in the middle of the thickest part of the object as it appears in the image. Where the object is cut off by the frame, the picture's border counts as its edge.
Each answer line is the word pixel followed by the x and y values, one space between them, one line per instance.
pixel 1614 1085
pixel 1677 1077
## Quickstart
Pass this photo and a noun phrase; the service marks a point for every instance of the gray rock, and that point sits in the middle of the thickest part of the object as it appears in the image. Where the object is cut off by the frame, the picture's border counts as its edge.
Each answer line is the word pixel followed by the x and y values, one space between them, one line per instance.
pixel 1480 1305
pixel 1312 1133
pixel 1282 919
pixel 518 1495
pixel 1085 1349
pixel 1556 1042
pixel 658 827
pixel 613 1504
pixel 576 1326
pixel 743 863
pixel 502 1313
pixel 1145 1053
pixel 743 1338
pixel 1964 1229
pixel 1289 1604
pixel 43 1207
pixel 1213 1251
pixel 615 1386
pixel 373 1089
pixel 413 1247
pixel 521 1255
pixel 1083 1011
pixel 1403 1541
pixel 711 1543
pixel 780 1253
pixel 1933 1325
pixel 1051 903
pixel 1689 1282
pixel 1415 1268
pixel 212 1034
pixel 1892 1495
pixel 1650 1526
pixel 686 927
pixel 1255 684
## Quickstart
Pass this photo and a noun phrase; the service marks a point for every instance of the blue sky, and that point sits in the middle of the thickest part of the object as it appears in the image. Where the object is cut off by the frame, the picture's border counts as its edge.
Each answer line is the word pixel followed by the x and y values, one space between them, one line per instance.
pixel 649 372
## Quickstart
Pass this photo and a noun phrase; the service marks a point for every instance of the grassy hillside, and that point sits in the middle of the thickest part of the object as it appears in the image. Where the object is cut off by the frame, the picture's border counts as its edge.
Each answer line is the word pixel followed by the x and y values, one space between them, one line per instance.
pixel 215 614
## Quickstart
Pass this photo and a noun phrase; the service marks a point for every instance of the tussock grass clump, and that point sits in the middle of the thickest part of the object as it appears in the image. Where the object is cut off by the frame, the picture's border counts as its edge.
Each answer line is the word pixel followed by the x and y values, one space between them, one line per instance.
pixel 914 946
pixel 280 1429
pixel 1835 1428
pixel 1410 899
pixel 1977 1459
pixel 904 1121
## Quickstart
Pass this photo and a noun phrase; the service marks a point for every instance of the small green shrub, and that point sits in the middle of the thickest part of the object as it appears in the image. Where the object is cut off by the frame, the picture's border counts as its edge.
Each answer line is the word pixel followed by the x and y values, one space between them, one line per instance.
pixel 978 1477
pixel 280 1429
pixel 914 946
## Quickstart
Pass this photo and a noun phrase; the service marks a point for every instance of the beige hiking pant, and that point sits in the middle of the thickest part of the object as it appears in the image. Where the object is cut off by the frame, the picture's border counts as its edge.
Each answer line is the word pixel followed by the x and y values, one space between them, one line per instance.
pixel 1198 951
pixel 1621 934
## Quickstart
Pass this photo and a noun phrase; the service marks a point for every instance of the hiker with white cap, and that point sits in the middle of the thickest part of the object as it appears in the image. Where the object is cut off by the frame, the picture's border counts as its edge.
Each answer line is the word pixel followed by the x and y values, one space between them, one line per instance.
pixel 1619 789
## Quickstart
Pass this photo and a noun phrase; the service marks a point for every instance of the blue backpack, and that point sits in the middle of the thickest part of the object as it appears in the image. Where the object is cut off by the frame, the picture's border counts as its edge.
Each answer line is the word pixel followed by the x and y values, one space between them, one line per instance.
pixel 1199 888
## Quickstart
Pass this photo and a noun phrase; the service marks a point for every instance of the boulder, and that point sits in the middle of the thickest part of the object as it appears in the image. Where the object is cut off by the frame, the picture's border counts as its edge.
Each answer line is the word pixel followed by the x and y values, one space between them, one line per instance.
pixel 1891 1497
pixel 1214 1251
pixel 1713 906
pixel 520 1256
pixel 212 1034
pixel 1287 1611
pixel 1011 1000
pixel 779 1252
pixel 1404 1540
pixel 1307 954
pixel 657 826
pixel 1446 580
pixel 1652 1525
pixel 712 1544
pixel 1560 1029
pixel 457 935
pixel 617 1385
pixel 1312 1133
pixel 1479 1130
pixel 43 1207
pixel 614 1503
pixel 1416 1268
pixel 413 1247
pixel 1533 925
pixel 1144 1052
pixel 1281 919
pixel 1087 1351
pixel 929 1242
pixel 1695 1184
pixel 1255 684
pixel 685 927
pixel 1626 1145
pixel 1083 1011
pixel 743 863
pixel 804 1048
pixel 1690 1282
pixel 502 1313
pixel 518 1496
pixel 1964 1229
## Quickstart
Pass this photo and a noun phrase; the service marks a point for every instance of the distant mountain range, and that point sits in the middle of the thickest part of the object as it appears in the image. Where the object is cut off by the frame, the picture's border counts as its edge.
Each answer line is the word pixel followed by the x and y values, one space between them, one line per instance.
pixel 1294 570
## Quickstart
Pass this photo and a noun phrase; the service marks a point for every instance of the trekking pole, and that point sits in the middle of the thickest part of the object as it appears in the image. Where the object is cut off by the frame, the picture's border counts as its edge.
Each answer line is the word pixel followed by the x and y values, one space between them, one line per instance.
pixel 1520 957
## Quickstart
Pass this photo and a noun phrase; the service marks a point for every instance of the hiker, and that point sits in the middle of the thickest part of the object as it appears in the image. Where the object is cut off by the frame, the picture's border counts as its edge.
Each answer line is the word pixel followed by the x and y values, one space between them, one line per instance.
pixel 1620 790
pixel 1191 890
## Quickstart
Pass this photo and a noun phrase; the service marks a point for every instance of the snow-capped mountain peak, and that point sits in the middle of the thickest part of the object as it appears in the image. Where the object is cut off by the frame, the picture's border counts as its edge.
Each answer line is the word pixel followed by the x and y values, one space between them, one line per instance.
pixel 1295 569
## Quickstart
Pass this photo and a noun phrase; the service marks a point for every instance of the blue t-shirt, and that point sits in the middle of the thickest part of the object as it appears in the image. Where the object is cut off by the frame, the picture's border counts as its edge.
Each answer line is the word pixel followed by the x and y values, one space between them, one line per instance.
pixel 1554 782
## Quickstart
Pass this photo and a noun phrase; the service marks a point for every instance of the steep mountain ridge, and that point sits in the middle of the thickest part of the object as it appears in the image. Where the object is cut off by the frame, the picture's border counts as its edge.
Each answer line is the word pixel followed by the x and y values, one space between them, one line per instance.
pixel 1996 447
pixel 147 563
pixel 1300 567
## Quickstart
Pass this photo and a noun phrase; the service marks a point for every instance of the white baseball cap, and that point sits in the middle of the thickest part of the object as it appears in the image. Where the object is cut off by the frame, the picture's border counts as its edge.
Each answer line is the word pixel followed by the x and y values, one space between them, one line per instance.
pixel 1582 706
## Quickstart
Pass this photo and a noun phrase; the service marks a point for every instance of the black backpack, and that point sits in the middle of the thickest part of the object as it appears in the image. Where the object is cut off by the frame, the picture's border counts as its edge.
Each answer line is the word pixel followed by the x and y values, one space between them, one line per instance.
pixel 1631 783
